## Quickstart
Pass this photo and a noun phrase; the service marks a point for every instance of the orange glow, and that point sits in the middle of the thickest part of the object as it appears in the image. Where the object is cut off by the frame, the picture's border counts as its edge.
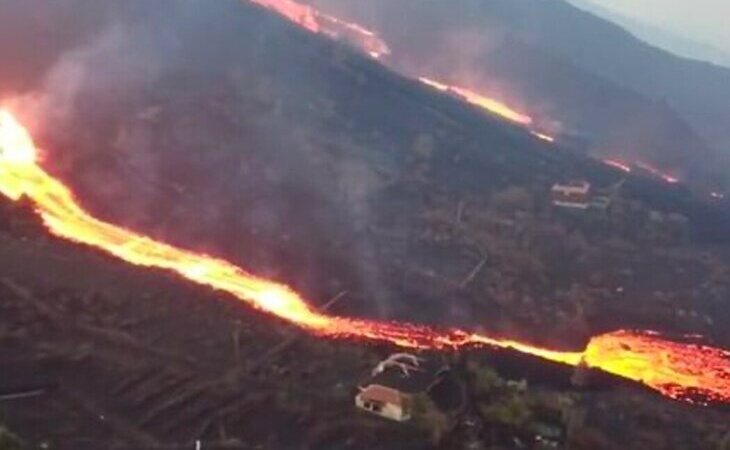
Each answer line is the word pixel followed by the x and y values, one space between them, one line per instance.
pixel 543 136
pixel 480 100
pixel 317 22
pixel 373 45
pixel 367 40
pixel 435 84
pixel 681 371
pixel 620 165
pixel 370 43
pixel 16 145
pixel 658 173
pixel 302 15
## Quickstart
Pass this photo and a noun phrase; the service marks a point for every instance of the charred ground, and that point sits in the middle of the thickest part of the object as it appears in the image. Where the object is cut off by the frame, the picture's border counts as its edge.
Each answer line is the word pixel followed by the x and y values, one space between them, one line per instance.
pixel 306 162
pixel 624 96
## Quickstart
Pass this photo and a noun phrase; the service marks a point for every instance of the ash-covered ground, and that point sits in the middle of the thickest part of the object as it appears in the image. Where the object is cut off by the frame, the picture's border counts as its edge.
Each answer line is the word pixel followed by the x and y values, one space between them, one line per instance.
pixel 221 128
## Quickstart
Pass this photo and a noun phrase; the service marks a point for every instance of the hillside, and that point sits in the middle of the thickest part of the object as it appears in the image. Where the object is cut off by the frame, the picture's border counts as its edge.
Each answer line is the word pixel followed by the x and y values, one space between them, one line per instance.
pixel 699 91
pixel 660 36
pixel 305 154
pixel 567 66
pixel 222 128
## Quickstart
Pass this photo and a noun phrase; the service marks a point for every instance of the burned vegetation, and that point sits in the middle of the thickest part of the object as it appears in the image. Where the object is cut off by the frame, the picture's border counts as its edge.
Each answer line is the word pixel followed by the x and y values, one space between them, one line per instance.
pixel 305 162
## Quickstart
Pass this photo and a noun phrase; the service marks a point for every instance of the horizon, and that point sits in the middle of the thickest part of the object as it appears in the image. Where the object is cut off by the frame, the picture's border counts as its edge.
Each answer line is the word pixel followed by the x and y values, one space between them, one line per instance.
pixel 686 23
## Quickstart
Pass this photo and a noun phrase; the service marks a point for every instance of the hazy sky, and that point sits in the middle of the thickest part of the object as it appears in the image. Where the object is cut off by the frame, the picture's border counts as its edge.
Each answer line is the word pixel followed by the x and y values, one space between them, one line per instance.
pixel 707 21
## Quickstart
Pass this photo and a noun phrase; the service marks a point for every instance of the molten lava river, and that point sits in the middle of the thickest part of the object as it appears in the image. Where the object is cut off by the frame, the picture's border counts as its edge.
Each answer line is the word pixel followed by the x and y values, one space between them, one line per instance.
pixel 369 42
pixel 682 371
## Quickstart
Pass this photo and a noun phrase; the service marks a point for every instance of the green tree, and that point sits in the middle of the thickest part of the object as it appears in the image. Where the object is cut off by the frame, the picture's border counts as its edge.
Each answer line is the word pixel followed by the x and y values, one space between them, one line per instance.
pixel 427 415
pixel 485 379
pixel 511 410
pixel 724 442
pixel 8 440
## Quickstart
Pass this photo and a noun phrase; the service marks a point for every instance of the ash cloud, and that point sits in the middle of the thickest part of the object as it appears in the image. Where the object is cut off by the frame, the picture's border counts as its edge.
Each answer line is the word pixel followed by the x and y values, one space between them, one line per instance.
pixel 93 82
pixel 109 68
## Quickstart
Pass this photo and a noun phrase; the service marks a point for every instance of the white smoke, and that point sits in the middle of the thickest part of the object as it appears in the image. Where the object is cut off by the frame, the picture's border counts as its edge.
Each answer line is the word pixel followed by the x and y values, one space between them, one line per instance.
pixel 116 61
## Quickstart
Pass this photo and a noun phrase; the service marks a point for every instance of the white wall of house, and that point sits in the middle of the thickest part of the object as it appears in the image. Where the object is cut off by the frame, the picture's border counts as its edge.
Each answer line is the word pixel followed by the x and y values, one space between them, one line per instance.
pixel 384 409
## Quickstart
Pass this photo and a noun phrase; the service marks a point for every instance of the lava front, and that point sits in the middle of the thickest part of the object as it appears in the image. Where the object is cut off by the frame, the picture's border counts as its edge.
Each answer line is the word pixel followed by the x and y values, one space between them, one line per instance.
pixel 678 370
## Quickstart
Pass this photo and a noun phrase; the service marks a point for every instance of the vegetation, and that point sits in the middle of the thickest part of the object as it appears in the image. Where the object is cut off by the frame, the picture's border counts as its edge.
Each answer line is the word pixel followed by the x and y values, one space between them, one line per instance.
pixel 428 417
pixel 517 411
pixel 513 199
pixel 724 442
pixel 8 440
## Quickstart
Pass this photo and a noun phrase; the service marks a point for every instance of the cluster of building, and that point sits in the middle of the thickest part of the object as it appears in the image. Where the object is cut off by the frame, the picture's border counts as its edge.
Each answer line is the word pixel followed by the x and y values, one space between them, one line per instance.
pixel 580 195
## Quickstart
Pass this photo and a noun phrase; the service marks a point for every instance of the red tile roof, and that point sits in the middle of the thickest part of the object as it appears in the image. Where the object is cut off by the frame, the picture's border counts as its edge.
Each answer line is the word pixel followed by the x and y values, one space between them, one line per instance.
pixel 375 392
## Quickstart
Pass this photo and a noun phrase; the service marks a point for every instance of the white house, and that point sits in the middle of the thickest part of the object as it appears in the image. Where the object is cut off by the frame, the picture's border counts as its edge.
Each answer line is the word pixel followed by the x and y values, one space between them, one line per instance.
pixel 384 401
pixel 576 194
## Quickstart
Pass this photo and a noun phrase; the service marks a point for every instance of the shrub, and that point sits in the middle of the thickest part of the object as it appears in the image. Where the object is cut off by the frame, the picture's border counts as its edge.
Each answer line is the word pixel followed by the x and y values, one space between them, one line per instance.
pixel 9 441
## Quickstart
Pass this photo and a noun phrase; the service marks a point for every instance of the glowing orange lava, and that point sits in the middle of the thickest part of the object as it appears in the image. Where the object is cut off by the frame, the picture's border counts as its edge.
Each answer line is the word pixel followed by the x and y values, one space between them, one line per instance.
pixel 620 165
pixel 657 173
pixel 480 100
pixel 319 22
pixel 678 370
pixel 370 43
pixel 298 13
pixel 626 167
pixel 682 371
pixel 543 136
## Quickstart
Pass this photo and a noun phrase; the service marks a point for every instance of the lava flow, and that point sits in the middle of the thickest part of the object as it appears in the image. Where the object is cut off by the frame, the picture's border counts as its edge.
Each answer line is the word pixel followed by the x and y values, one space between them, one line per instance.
pixel 543 136
pixel 657 173
pixel 481 101
pixel 678 370
pixel 318 22
pixel 616 164
pixel 303 15
pixel 369 42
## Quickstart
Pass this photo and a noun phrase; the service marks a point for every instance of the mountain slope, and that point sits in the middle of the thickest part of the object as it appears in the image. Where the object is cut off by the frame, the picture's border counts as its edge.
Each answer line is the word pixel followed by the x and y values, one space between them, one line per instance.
pixel 659 36
pixel 566 65
pixel 699 91
pixel 297 157
pixel 276 148
pixel 220 127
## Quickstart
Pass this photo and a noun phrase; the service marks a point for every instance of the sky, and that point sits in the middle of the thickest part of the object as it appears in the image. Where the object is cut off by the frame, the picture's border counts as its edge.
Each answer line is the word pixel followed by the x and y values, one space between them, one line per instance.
pixel 704 21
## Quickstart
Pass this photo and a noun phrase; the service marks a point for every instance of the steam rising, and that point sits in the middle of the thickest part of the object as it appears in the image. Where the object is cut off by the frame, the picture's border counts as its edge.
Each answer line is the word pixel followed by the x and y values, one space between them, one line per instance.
pixel 166 124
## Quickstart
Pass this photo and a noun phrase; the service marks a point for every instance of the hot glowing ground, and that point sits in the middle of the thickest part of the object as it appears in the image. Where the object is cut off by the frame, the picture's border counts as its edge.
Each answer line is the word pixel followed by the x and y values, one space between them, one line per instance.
pixel 678 370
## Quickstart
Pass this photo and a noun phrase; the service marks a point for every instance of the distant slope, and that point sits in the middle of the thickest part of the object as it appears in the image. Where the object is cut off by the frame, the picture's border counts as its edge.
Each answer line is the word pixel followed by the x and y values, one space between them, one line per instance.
pixel 629 97
pixel 699 91
pixel 660 37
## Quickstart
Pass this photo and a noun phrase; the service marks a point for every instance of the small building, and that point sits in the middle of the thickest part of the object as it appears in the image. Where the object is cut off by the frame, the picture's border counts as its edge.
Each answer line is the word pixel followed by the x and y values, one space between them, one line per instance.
pixel 384 401
pixel 390 389
pixel 576 194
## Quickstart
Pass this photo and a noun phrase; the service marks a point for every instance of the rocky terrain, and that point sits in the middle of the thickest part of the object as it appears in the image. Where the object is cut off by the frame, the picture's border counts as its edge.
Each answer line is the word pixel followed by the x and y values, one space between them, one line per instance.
pixel 308 163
